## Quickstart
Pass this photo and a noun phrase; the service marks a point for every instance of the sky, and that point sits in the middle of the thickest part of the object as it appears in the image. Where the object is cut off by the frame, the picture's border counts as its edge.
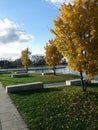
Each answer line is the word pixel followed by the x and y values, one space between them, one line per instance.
pixel 25 24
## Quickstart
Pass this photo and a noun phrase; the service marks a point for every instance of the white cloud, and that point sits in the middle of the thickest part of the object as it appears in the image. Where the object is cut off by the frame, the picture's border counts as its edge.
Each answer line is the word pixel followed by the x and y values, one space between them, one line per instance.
pixel 56 1
pixel 10 32
pixel 12 39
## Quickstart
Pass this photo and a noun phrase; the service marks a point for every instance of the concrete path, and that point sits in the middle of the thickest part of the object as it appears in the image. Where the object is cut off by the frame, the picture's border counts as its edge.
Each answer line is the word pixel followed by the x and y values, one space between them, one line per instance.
pixel 51 85
pixel 9 117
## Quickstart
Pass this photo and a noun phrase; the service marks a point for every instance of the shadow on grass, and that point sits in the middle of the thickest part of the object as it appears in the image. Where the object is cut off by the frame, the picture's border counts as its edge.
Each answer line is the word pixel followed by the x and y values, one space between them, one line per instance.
pixel 43 90
pixel 94 85
pixel 59 89
pixel 95 94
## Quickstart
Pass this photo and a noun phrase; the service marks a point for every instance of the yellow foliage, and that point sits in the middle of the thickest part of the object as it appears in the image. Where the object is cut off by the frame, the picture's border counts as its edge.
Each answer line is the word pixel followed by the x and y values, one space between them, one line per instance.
pixel 53 56
pixel 76 33
pixel 25 58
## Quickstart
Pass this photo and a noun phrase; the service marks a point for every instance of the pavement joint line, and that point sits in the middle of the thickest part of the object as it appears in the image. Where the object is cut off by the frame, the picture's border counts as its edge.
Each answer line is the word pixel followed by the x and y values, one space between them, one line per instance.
pixel 10 118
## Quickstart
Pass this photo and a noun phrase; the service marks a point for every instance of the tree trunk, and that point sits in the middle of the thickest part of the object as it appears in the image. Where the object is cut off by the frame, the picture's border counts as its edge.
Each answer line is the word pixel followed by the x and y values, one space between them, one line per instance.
pixel 83 84
pixel 54 71
pixel 26 69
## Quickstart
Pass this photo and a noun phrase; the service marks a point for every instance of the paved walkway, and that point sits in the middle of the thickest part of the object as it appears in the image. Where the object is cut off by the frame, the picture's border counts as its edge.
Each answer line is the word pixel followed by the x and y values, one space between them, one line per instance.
pixel 9 117
pixel 51 85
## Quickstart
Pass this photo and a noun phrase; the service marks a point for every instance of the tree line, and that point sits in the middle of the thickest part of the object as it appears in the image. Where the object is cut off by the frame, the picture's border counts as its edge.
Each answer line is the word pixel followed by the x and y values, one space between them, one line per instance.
pixel 76 37
pixel 35 61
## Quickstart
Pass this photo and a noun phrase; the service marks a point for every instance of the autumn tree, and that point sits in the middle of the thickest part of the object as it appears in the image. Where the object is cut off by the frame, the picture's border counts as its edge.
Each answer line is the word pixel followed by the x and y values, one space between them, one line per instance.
pixel 53 56
pixel 25 58
pixel 76 31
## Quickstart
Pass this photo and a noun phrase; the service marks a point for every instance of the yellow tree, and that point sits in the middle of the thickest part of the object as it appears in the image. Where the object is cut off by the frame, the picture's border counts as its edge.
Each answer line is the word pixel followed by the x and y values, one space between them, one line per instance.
pixel 76 31
pixel 53 56
pixel 25 58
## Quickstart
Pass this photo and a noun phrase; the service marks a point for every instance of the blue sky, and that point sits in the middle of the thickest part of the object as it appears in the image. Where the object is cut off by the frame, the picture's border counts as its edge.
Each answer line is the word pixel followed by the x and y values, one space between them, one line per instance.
pixel 26 23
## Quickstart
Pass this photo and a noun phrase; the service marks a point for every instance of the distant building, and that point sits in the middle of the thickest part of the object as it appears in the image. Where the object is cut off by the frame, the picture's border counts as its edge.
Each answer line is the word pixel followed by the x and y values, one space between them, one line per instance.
pixel 4 64
pixel 38 59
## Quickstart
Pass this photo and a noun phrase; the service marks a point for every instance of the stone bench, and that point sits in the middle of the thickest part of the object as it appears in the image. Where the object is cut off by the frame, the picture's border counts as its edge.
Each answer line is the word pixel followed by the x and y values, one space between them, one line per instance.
pixel 19 75
pixel 4 72
pixel 24 87
pixel 49 73
pixel 73 82
pixel 18 72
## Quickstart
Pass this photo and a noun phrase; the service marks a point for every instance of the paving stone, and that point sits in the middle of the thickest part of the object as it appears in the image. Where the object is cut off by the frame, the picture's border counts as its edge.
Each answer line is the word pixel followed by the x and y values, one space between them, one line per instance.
pixel 9 116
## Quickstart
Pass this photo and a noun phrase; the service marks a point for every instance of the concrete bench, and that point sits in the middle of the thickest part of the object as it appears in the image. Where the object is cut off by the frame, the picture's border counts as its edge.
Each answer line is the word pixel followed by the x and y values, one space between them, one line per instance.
pixel 19 75
pixel 23 87
pixel 4 72
pixel 49 73
pixel 73 82
pixel 18 72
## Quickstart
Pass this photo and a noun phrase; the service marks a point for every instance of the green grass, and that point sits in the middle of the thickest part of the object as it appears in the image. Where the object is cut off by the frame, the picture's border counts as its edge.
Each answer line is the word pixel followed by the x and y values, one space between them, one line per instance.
pixel 7 80
pixel 63 108
pixel 5 75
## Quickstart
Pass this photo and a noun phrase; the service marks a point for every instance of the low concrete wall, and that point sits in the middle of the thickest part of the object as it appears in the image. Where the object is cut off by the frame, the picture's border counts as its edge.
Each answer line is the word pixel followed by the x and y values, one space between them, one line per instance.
pixel 20 72
pixel 19 75
pixel 23 87
pixel 4 72
pixel 47 73
pixel 73 82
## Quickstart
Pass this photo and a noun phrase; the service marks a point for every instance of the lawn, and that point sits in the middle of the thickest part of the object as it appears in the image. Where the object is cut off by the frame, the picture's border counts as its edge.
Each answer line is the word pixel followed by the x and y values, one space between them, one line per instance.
pixel 63 108
pixel 7 80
